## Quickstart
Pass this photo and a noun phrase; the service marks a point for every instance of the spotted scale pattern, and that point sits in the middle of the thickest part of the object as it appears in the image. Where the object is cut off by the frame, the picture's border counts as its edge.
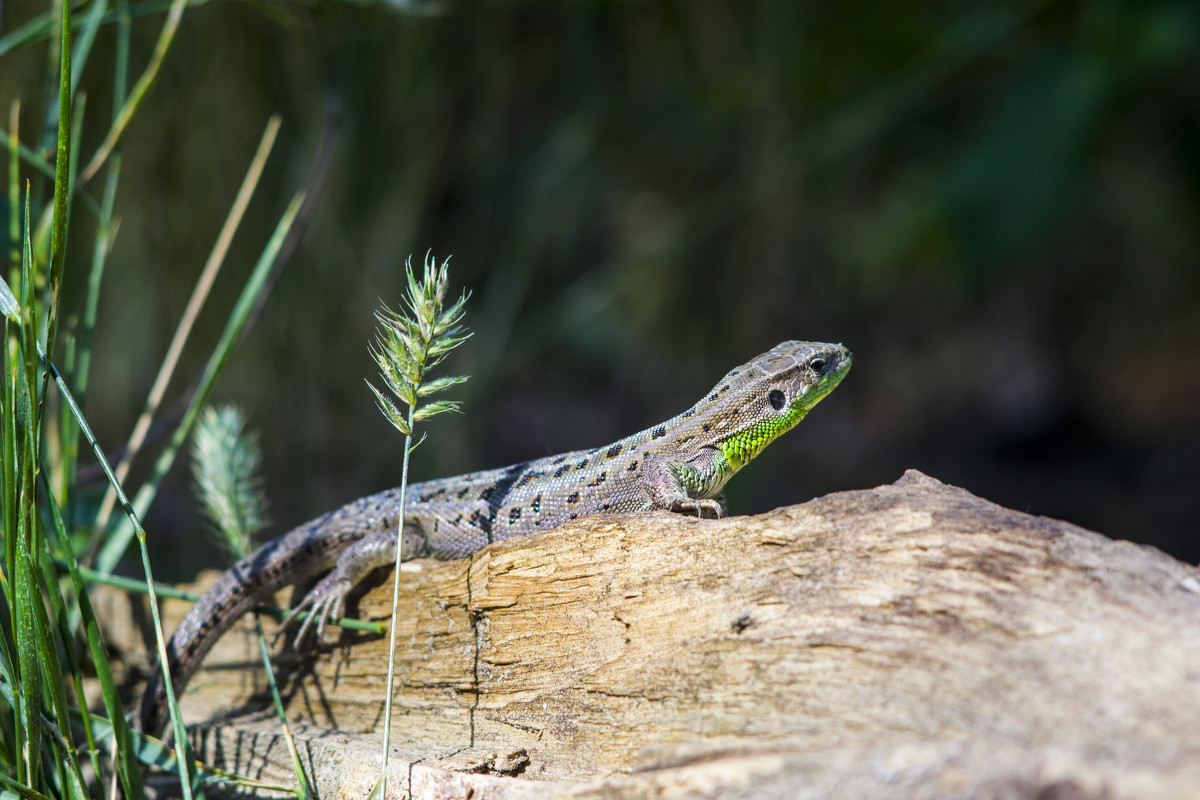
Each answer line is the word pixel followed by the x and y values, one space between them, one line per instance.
pixel 678 465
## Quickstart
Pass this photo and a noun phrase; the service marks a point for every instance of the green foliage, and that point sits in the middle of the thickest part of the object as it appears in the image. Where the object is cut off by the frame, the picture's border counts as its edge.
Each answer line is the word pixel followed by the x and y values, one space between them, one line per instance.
pixel 45 730
pixel 38 756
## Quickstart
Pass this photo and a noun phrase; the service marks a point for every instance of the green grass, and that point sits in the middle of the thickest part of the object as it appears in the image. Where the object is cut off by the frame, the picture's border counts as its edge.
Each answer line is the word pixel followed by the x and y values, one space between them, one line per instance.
pixel 52 645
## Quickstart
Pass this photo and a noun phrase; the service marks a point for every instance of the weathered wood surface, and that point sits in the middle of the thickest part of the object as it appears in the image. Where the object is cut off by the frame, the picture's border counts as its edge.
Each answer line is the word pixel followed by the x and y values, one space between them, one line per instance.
pixel 907 641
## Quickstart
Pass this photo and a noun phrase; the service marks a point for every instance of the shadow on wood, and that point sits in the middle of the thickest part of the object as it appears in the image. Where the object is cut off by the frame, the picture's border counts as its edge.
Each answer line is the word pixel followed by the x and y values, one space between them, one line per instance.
pixel 907 641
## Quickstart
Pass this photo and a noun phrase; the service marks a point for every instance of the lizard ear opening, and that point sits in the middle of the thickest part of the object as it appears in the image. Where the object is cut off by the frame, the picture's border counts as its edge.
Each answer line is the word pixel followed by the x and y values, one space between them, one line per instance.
pixel 776 399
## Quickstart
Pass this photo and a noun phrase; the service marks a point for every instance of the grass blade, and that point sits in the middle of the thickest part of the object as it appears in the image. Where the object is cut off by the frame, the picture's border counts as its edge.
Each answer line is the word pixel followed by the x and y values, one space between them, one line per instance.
pixel 199 294
pixel 163 590
pixel 20 611
pixel 83 46
pixel 14 183
pixel 105 233
pixel 118 542
pixel 124 756
pixel 62 178
pixel 305 791
pixel 25 636
pixel 52 672
pixel 23 153
pixel 183 749
pixel 42 26
pixel 139 91
pixel 23 791
pixel 152 752
pixel 24 591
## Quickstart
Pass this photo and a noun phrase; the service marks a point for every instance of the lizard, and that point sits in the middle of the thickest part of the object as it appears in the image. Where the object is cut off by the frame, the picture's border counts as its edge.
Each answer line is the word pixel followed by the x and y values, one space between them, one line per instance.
pixel 680 465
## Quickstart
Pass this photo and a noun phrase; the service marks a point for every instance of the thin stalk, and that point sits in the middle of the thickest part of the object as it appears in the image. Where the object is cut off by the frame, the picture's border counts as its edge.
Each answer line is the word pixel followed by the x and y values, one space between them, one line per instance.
pixel 14 181
pixel 297 765
pixel 83 47
pixel 139 91
pixel 391 673
pixel 23 153
pixel 67 446
pixel 62 179
pixel 22 312
pixel 124 758
pixel 118 542
pixel 49 126
pixel 105 234
pixel 42 26
pixel 100 251
pixel 408 346
pixel 199 295
pixel 181 743
pixel 124 19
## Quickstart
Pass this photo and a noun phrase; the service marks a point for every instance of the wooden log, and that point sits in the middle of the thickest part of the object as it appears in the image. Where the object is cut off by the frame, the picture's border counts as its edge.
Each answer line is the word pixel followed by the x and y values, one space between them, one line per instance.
pixel 911 640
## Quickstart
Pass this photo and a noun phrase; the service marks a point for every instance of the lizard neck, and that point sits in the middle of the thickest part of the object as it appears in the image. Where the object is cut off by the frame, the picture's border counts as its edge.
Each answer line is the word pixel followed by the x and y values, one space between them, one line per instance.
pixel 741 447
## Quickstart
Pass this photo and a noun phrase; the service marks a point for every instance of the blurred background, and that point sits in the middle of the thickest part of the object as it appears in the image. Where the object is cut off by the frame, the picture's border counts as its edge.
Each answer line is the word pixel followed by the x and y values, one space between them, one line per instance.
pixel 995 205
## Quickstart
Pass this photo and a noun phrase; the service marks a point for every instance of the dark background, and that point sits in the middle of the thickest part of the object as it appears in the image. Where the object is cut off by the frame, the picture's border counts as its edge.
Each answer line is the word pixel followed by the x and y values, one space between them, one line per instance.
pixel 995 205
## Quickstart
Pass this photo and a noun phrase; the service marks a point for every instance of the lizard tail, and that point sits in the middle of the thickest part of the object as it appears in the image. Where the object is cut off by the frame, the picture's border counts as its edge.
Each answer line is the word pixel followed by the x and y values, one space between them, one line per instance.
pixel 283 561
pixel 221 606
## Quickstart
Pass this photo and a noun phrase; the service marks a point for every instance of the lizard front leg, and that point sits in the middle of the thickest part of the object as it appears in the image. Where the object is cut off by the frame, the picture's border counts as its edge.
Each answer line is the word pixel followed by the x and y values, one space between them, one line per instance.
pixel 324 601
pixel 692 485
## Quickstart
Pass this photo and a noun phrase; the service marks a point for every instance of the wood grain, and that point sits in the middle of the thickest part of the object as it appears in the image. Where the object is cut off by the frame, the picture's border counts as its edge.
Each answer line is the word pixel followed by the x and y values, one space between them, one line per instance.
pixel 911 640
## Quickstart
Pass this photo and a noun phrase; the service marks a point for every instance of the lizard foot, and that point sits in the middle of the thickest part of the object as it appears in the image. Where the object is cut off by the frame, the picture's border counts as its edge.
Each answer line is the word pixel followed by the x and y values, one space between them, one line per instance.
pixel 700 507
pixel 324 604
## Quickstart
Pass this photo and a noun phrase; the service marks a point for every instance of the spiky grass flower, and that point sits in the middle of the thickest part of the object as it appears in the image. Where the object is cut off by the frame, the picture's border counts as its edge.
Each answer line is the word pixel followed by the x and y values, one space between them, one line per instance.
pixel 409 345
pixel 226 459
pixel 226 462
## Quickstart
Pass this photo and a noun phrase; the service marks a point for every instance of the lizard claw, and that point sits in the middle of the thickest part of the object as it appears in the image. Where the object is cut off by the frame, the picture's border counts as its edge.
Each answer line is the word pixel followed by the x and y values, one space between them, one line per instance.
pixel 700 507
pixel 324 603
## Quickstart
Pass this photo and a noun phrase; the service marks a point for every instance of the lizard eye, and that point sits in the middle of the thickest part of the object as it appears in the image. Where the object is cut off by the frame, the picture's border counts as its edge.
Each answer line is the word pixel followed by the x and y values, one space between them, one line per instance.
pixel 777 399
pixel 817 365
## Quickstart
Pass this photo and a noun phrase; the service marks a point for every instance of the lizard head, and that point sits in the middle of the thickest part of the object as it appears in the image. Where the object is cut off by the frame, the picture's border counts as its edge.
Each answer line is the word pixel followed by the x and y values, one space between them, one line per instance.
pixel 776 390
pixel 796 375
